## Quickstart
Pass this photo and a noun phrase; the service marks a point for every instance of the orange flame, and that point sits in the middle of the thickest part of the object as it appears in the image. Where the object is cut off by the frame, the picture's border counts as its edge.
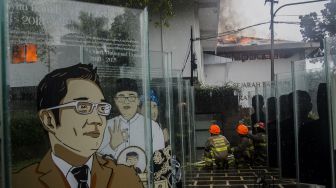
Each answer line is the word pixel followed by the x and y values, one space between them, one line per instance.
pixel 18 54
pixel 239 40
pixel 245 40
pixel 230 38
pixel 31 53
pixel 24 53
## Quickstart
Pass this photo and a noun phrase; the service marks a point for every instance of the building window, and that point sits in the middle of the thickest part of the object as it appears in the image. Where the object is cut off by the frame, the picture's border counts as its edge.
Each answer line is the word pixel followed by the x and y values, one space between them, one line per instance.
pixel 24 53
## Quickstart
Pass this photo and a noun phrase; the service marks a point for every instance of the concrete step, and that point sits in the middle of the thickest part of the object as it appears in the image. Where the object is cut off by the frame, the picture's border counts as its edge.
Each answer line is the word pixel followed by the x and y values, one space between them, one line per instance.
pixel 229 178
pixel 250 186
pixel 196 177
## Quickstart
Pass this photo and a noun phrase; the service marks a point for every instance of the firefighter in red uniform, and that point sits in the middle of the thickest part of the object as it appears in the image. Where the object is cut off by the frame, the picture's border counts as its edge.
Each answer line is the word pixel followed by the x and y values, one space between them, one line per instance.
pixel 216 149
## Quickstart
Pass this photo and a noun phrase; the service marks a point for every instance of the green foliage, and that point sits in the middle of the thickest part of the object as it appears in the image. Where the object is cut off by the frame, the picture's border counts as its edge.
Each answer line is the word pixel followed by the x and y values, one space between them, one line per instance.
pixel 28 138
pixel 315 28
pixel 215 99
pixel 164 8
pixel 125 28
pixel 226 87
pixel 28 23
pixel 328 23
pixel 18 19
pixel 310 29
pixel 89 25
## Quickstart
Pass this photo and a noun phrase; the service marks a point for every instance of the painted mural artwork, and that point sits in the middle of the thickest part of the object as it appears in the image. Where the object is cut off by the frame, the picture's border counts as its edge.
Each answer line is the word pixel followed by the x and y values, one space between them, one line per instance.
pixel 128 129
pixel 162 159
pixel 85 146
pixel 87 129
pixel 72 109
pixel 124 137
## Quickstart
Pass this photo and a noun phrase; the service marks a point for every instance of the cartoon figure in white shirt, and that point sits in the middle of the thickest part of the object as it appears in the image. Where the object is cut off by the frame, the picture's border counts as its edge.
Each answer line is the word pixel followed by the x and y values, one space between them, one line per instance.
pixel 128 129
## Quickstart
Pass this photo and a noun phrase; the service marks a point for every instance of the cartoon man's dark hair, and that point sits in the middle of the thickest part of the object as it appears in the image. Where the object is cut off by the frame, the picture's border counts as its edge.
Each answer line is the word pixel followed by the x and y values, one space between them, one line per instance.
pixel 126 84
pixel 53 87
pixel 132 154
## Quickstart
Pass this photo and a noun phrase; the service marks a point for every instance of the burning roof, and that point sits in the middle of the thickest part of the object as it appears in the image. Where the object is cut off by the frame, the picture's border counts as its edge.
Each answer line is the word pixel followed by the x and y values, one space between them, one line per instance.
pixel 233 40
pixel 244 48
pixel 232 43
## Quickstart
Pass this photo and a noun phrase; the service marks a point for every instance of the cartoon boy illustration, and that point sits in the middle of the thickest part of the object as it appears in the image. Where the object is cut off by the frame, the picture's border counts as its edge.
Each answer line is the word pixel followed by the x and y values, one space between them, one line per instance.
pixel 73 110
pixel 128 129
pixel 155 104
pixel 132 159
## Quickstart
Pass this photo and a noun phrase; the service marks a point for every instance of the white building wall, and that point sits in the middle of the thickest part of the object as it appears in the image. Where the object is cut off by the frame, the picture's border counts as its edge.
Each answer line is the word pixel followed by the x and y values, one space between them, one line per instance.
pixel 19 76
pixel 238 71
pixel 198 47
pixel 176 37
pixel 247 74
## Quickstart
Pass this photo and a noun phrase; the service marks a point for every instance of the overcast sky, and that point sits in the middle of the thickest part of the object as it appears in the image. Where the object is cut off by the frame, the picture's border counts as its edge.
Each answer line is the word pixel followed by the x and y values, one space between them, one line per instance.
pixel 240 13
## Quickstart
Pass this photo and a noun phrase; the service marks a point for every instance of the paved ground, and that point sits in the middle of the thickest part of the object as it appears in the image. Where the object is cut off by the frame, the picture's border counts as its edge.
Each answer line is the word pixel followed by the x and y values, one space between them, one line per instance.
pixel 237 178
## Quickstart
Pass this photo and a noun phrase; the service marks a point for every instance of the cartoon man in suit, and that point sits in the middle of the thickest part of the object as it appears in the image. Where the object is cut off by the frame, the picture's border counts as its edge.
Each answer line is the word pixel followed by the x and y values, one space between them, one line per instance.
pixel 73 110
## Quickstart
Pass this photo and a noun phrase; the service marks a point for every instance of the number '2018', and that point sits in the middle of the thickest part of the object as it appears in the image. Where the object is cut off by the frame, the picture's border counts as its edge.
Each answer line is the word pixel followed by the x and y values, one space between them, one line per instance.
pixel 28 20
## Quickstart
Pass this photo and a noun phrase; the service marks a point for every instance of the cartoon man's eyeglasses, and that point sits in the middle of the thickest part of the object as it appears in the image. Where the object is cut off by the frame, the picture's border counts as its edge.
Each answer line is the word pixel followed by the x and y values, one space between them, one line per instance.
pixel 84 107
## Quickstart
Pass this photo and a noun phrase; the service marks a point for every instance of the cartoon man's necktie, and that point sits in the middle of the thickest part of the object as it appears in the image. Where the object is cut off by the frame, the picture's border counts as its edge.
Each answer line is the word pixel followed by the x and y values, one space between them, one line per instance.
pixel 81 175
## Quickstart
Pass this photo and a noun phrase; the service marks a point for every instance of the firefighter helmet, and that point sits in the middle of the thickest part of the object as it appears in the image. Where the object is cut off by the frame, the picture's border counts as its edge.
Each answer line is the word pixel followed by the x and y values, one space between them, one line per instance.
pixel 214 129
pixel 242 129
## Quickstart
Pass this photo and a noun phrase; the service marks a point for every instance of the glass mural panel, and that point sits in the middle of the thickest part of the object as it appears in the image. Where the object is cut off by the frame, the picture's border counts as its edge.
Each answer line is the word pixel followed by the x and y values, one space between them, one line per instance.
pixel 75 76
pixel 163 108
pixel 285 124
pixel 270 123
pixel 312 125
pixel 330 59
